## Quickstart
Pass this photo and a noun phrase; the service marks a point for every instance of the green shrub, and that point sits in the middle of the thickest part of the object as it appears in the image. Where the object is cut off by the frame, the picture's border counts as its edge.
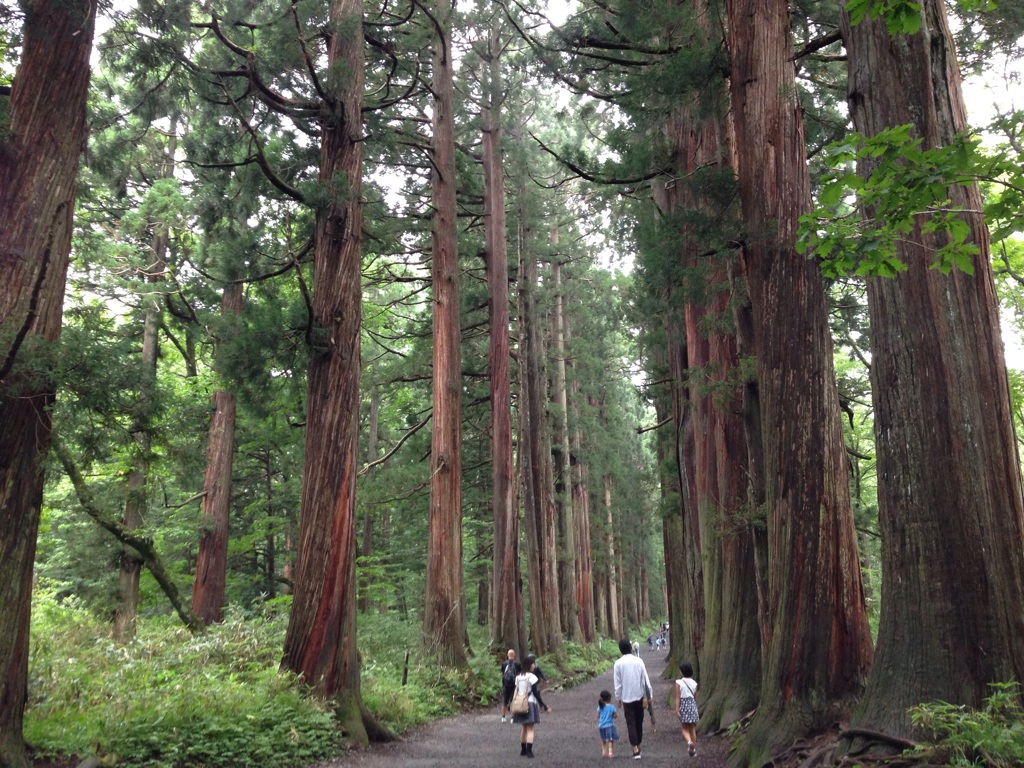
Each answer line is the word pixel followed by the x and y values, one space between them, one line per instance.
pixel 167 699
pixel 992 736
pixel 171 700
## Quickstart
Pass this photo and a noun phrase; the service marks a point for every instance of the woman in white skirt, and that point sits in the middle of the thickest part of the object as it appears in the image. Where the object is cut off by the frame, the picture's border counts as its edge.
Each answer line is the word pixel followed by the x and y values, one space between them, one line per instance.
pixel 686 705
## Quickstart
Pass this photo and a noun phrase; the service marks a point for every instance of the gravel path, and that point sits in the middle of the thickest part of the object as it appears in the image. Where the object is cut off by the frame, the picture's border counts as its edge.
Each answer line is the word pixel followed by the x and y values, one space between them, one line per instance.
pixel 566 737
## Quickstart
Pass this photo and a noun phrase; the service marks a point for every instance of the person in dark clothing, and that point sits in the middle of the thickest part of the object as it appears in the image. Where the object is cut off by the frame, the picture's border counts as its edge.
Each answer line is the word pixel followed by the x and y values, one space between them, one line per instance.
pixel 509 669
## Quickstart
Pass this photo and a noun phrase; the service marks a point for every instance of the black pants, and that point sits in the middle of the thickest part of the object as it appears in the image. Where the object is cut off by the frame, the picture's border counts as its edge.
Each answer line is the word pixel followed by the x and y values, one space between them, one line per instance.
pixel 633 713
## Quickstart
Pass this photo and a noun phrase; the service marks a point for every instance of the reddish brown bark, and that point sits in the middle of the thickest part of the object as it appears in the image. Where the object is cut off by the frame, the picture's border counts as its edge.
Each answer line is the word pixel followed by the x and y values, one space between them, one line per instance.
pixel 538 504
pixel 564 512
pixel 444 621
pixel 614 615
pixel 820 647
pixel 321 641
pixel 212 560
pixel 949 489
pixel 366 550
pixel 580 491
pixel 672 517
pixel 688 633
pixel 698 133
pixel 41 138
pixel 509 628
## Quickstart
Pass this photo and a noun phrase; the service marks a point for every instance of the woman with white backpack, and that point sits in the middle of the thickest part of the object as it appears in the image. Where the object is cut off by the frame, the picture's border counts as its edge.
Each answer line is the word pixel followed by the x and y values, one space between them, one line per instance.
pixel 526 704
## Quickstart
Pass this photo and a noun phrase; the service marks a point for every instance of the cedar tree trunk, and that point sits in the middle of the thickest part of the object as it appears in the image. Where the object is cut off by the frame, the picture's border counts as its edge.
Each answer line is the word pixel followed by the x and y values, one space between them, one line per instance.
pixel 949 487
pixel 42 134
pixel 444 620
pixel 321 641
pixel 509 622
pixel 819 652
pixel 212 560
pixel 567 545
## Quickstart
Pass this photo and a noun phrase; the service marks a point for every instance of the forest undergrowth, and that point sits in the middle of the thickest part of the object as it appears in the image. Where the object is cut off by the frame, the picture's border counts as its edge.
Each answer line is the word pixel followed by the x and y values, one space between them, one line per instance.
pixel 169 699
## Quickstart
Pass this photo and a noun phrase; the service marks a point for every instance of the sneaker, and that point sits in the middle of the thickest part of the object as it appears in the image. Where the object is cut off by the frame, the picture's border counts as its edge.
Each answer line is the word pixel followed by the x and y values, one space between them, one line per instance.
pixel 693 749
pixel 636 756
pixel 504 719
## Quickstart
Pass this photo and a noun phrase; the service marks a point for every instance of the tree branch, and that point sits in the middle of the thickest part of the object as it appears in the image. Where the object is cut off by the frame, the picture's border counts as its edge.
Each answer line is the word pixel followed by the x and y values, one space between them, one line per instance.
pixel 816 45
pixel 593 177
pixel 141 544
pixel 398 445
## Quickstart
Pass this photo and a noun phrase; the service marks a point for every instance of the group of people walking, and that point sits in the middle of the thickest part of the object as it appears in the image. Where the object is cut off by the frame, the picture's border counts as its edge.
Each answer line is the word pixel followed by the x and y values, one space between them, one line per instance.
pixel 522 681
pixel 521 698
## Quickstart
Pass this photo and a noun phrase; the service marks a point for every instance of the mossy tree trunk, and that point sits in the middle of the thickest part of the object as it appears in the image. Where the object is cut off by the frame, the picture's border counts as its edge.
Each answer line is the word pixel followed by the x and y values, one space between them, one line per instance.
pixel 819 650
pixel 949 486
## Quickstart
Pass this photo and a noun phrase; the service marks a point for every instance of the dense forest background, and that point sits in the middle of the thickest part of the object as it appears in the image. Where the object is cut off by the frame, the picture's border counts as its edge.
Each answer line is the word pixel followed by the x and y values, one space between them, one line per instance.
pixel 443 328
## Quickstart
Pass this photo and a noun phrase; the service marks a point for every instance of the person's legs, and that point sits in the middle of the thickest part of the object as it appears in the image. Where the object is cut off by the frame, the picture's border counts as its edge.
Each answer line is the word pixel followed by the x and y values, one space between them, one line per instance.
pixel 627 715
pixel 633 713
pixel 639 724
pixel 506 699
pixel 690 734
pixel 529 740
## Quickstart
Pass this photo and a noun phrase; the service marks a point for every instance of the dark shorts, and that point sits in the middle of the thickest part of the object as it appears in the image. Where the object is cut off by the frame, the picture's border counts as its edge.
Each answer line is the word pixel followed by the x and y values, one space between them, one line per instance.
pixel 507 692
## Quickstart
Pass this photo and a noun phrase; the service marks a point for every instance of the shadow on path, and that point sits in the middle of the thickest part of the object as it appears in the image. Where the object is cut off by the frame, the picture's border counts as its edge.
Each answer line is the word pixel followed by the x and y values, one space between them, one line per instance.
pixel 567 736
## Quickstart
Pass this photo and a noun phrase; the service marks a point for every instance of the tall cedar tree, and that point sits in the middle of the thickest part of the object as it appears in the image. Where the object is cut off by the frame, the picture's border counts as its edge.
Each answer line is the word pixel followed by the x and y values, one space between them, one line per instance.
pixel 444 620
pixel 545 629
pixel 949 487
pixel 210 581
pixel 41 138
pixel 509 628
pixel 568 547
pixel 321 641
pixel 731 650
pixel 819 651
pixel 580 471
pixel 152 273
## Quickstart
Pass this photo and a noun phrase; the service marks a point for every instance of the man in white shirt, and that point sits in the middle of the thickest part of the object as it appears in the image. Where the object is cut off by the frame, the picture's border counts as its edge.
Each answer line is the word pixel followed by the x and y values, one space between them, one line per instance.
pixel 632 686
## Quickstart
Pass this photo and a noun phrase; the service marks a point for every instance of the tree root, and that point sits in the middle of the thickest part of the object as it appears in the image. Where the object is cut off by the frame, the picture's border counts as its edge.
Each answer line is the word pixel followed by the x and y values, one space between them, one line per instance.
pixel 375 730
pixel 825 752
pixel 877 736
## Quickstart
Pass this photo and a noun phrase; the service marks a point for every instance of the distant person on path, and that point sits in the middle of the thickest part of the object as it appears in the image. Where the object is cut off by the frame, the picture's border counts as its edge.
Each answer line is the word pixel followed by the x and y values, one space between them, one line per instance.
pixel 527 681
pixel 686 706
pixel 539 673
pixel 509 669
pixel 632 686
pixel 606 724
